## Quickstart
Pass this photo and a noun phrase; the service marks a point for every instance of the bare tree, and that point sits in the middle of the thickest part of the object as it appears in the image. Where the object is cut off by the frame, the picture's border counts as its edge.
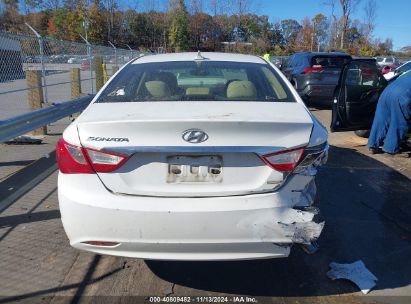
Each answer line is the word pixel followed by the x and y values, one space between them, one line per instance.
pixel 370 10
pixel 241 8
pixel 347 7
pixel 196 6
pixel 110 6
pixel 150 5
pixel 333 33
pixel 52 4
pixel 218 7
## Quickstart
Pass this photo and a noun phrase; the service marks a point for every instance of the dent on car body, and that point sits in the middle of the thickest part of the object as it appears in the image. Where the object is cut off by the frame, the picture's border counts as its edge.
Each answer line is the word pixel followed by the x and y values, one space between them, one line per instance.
pixel 296 223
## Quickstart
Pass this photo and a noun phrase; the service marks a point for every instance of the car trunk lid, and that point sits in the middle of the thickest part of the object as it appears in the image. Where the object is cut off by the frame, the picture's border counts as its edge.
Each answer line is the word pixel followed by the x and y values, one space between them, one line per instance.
pixel 162 163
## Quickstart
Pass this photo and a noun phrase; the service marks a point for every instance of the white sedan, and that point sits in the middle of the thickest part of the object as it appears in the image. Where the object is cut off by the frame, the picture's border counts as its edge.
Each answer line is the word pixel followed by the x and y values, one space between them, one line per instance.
pixel 192 156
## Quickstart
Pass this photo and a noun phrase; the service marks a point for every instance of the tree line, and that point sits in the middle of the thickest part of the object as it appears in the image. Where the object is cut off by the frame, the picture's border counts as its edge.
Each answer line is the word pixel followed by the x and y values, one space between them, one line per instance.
pixel 214 25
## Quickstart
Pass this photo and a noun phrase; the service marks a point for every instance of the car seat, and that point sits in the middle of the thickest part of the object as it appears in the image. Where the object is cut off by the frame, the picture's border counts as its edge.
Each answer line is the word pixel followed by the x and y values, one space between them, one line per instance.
pixel 241 89
pixel 157 88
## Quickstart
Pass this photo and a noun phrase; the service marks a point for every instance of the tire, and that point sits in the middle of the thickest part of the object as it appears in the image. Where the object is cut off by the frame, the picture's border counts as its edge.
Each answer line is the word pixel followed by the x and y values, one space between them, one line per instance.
pixel 294 82
pixel 362 133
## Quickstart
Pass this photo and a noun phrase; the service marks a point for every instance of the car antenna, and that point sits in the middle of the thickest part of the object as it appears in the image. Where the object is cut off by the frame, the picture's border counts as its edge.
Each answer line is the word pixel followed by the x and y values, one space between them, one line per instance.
pixel 199 56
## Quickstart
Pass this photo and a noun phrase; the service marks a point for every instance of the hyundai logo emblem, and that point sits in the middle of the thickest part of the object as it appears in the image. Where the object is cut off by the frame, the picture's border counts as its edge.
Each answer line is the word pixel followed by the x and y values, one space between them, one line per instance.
pixel 194 136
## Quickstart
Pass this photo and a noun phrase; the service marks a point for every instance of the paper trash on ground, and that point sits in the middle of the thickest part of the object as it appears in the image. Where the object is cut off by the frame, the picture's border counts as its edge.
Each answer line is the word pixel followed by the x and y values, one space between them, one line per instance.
pixel 355 272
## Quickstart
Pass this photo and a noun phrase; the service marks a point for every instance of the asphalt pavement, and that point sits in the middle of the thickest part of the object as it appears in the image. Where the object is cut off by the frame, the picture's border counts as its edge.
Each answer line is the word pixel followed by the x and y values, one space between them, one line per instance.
pixel 364 199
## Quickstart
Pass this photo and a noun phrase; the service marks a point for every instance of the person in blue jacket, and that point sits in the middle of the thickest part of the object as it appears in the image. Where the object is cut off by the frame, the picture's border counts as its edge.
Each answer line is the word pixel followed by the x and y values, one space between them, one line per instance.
pixel 393 117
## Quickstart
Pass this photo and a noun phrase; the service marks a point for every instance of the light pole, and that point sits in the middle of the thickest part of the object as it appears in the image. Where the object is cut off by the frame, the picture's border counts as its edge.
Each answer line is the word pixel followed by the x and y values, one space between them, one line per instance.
pixel 89 60
pixel 131 51
pixel 115 53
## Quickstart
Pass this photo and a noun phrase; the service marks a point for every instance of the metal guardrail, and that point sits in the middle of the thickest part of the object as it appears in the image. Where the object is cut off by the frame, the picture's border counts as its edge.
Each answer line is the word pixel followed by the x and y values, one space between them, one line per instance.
pixel 21 124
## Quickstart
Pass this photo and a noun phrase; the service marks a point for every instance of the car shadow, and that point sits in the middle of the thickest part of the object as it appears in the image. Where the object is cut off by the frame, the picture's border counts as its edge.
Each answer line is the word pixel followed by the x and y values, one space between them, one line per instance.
pixel 368 217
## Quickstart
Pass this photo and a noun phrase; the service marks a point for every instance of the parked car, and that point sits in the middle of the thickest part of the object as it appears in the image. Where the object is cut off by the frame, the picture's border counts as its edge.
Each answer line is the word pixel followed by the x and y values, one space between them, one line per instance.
pixel 356 97
pixel 32 59
pixel 401 69
pixel 157 170
pixel 387 69
pixel 58 58
pixel 279 61
pixel 315 75
pixel 85 64
pixel 389 61
pixel 75 59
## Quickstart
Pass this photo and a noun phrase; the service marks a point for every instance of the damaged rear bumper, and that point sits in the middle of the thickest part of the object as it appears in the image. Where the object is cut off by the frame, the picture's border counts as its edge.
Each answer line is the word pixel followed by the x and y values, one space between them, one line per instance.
pixel 220 228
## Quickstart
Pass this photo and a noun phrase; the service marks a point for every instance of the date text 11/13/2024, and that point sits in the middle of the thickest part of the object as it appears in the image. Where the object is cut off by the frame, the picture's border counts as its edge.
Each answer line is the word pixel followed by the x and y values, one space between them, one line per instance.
pixel 202 299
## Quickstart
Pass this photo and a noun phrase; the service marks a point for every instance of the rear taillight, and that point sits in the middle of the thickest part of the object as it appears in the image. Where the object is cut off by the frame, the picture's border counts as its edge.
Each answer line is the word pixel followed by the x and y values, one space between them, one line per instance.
pixel 72 159
pixel 314 68
pixel 104 161
pixel 285 160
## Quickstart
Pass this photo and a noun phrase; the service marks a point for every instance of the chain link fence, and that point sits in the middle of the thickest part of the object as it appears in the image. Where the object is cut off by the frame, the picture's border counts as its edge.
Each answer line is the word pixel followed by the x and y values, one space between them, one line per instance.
pixel 43 65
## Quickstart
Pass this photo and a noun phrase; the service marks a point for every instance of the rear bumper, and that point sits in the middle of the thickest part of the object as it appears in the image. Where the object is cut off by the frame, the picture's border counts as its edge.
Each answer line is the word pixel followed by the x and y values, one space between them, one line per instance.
pixel 218 228
pixel 318 94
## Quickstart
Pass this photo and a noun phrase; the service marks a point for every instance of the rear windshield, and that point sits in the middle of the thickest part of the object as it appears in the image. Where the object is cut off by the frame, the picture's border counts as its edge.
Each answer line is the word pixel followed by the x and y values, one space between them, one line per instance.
pixel 330 62
pixel 196 80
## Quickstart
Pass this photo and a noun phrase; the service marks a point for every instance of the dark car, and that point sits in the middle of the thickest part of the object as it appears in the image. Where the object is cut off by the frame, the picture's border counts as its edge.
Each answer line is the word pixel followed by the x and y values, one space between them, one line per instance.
pixel 315 75
pixel 356 97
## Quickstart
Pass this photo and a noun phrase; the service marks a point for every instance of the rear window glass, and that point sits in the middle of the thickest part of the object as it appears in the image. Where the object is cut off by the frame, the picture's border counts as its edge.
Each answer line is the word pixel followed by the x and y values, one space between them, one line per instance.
pixel 196 80
pixel 364 74
pixel 330 62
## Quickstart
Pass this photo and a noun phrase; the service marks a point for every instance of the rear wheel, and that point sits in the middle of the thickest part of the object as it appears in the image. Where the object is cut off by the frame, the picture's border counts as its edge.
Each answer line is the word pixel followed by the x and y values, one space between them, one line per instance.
pixel 362 133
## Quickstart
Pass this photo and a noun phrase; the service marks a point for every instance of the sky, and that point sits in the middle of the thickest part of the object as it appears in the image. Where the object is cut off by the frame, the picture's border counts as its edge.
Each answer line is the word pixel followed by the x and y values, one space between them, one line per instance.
pixel 393 16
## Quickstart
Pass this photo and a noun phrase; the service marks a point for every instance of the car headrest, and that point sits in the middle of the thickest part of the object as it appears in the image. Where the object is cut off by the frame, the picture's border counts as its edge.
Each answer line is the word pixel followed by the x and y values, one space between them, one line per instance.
pixel 169 78
pixel 241 89
pixel 157 88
